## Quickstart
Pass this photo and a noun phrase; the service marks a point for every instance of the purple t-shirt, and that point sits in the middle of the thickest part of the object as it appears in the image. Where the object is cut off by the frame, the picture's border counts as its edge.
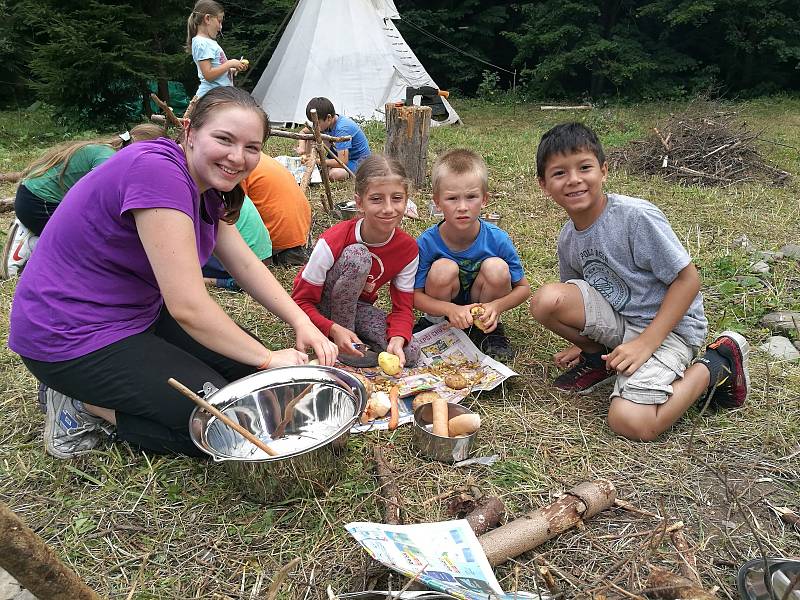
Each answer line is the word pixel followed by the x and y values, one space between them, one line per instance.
pixel 89 282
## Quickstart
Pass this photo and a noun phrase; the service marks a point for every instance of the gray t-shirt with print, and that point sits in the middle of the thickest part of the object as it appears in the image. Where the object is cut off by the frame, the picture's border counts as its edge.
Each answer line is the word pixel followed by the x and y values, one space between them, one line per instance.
pixel 631 255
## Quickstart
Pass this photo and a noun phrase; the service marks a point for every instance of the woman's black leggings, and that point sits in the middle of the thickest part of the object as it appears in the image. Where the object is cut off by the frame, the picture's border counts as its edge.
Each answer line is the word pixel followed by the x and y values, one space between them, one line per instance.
pixel 130 376
pixel 32 211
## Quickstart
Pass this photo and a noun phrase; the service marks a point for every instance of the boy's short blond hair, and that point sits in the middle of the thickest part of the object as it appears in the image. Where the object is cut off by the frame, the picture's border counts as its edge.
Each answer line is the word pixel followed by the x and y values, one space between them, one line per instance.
pixel 460 161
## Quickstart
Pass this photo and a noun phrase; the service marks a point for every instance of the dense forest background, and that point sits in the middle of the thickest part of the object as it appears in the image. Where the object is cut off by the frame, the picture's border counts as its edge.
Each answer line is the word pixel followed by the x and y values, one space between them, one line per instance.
pixel 95 59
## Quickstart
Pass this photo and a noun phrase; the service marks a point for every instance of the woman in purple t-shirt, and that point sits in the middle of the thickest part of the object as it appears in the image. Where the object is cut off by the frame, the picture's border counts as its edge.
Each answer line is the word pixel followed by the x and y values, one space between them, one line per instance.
pixel 113 304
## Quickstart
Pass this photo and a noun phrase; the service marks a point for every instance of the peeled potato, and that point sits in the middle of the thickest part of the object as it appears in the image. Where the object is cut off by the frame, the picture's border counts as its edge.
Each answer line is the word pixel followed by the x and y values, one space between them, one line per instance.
pixel 463 425
pixel 423 398
pixel 377 406
pixel 389 363
pixel 456 381
pixel 477 313
pixel 245 62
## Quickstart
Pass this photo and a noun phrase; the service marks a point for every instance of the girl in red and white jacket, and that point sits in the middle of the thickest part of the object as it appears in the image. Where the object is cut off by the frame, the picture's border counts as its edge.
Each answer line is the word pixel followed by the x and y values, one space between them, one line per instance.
pixel 354 259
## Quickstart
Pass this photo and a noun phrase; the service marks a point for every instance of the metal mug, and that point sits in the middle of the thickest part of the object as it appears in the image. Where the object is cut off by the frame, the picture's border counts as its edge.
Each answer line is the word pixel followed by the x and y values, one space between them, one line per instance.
pixel 437 447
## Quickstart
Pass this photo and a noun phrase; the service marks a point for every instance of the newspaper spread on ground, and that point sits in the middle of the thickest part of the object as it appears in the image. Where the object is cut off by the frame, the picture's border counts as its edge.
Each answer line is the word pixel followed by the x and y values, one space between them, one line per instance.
pixel 445 350
pixel 444 556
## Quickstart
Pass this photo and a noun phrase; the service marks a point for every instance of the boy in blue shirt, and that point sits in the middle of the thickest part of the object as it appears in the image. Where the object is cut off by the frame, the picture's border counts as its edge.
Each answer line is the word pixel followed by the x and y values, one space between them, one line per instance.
pixel 351 152
pixel 465 262
pixel 628 299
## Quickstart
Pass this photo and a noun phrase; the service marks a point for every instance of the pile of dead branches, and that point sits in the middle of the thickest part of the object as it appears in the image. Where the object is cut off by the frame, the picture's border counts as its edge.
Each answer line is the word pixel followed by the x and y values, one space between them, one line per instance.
pixel 703 146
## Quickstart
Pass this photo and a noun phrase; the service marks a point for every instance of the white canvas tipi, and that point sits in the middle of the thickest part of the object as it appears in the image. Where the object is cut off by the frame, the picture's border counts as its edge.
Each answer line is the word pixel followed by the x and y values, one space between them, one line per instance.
pixel 346 50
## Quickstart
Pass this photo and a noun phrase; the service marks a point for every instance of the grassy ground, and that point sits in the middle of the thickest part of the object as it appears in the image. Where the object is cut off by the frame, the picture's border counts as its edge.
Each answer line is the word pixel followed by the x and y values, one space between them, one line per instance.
pixel 141 526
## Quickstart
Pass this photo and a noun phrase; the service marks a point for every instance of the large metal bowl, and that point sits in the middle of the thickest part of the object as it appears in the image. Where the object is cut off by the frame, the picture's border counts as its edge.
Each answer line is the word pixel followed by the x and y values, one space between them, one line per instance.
pixel 315 405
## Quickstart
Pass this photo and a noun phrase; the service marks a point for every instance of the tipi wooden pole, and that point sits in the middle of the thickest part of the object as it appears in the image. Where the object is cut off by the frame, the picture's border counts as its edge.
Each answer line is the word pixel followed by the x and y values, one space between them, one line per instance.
pixel 310 162
pixel 407 131
pixel 536 527
pixel 34 564
pixel 323 163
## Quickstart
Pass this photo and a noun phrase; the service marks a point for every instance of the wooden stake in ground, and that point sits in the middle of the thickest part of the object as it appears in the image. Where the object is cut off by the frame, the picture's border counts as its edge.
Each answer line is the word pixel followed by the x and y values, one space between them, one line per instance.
pixel 407 131
pixel 536 527
pixel 323 163
pixel 34 564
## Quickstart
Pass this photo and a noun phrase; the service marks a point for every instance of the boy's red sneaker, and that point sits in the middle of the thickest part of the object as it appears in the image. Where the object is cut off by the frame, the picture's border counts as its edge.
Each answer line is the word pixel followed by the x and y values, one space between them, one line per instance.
pixel 584 377
pixel 731 390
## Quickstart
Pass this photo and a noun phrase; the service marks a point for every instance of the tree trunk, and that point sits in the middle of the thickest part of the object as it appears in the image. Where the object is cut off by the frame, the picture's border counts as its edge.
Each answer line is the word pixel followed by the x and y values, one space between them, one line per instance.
pixel 536 527
pixel 34 564
pixel 407 131
pixel 163 89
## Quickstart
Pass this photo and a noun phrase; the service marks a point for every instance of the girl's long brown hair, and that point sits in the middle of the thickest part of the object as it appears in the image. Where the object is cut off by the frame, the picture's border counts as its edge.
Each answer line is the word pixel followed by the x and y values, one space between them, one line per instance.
pixel 63 153
pixel 200 10
pixel 221 97
pixel 379 165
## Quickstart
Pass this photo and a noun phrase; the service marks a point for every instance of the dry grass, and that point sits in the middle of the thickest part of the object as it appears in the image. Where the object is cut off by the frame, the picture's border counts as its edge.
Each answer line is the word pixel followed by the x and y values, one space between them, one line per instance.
pixel 141 526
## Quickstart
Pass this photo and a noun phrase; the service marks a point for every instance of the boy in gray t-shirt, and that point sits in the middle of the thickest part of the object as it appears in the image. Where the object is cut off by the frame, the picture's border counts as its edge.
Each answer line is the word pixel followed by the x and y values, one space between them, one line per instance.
pixel 629 299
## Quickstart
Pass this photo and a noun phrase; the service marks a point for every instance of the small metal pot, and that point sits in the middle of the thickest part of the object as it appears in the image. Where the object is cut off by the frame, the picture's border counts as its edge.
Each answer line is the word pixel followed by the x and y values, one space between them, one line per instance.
pixel 348 210
pixel 315 407
pixel 437 447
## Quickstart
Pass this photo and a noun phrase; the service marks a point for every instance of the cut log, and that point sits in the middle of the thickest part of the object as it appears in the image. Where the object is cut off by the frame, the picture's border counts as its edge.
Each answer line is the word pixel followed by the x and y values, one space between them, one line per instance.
pixel 407 132
pixel 34 564
pixel 669 586
pixel 536 527
pixel 10 177
pixel 6 205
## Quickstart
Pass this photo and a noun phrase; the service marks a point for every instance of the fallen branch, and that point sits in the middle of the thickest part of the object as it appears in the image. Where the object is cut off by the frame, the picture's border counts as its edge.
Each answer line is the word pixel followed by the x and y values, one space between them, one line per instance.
pixel 33 563
pixel 536 527
pixel 669 586
pixel 389 493
pixel 274 587
pixel 6 205
pixel 173 120
pixel 625 505
pixel 576 107
pixel 688 564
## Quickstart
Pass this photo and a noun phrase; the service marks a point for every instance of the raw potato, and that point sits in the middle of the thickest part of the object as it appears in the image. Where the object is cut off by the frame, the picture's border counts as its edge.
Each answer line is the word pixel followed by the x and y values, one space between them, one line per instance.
pixel 389 363
pixel 463 425
pixel 423 398
pixel 456 381
pixel 377 406
pixel 477 313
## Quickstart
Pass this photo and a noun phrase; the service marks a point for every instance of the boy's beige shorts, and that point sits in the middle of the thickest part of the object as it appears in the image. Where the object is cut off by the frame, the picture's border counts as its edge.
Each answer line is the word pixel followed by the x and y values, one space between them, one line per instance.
pixel 652 382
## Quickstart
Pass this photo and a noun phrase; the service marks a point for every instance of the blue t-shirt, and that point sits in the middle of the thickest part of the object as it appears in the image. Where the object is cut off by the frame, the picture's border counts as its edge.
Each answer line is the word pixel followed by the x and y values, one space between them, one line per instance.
pixel 491 241
pixel 204 48
pixel 358 145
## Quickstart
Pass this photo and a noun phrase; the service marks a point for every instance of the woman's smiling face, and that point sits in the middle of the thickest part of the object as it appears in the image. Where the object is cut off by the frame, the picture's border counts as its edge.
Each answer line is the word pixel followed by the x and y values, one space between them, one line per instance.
pixel 225 149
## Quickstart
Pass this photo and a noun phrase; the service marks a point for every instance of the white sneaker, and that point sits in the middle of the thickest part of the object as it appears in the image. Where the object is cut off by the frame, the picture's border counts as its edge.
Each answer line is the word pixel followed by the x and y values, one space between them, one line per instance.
pixel 19 246
pixel 69 431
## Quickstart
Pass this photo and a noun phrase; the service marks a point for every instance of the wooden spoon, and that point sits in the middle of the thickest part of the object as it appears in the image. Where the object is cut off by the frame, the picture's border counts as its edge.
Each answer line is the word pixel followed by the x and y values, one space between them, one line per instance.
pixel 221 416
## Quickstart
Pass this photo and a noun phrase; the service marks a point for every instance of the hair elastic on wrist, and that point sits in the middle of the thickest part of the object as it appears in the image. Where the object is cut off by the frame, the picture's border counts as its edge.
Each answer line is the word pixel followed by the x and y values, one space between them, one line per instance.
pixel 265 364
